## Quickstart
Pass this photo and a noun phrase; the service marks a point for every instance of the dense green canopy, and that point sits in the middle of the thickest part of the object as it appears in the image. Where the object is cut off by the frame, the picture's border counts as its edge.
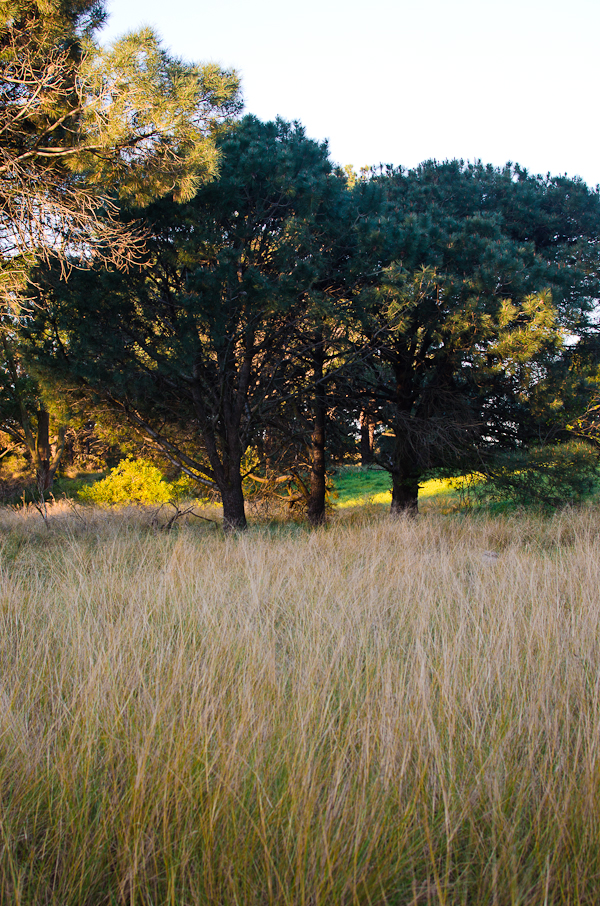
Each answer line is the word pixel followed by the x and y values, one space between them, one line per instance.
pixel 203 334
pixel 485 274
pixel 274 301
pixel 444 301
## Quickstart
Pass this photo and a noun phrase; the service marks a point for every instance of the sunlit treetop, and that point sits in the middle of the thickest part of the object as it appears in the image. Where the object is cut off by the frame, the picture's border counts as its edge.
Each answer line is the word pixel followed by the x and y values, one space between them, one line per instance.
pixel 83 128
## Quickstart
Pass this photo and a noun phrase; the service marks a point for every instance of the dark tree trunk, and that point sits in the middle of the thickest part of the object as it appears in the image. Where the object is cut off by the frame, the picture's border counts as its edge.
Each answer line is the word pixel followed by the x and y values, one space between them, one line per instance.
pixel 234 514
pixel 367 437
pixel 269 449
pixel 405 479
pixel 318 489
pixel 225 458
pixel 46 464
pixel 405 495
pixel 44 475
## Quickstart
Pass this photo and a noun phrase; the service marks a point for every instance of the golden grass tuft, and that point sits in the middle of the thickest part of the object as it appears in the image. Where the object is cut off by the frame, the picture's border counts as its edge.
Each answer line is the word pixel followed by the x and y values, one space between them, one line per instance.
pixel 381 712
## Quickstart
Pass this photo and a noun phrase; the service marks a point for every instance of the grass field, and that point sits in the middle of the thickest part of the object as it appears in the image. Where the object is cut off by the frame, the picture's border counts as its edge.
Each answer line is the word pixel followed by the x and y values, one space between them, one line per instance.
pixel 382 712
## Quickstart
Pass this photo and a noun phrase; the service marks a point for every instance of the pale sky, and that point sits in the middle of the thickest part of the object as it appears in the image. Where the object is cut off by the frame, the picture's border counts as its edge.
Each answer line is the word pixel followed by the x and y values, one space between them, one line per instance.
pixel 401 81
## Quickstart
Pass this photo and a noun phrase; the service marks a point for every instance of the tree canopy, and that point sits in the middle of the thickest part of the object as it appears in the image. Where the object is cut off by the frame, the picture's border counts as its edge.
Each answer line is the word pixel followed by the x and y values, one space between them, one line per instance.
pixel 484 275
pixel 204 334
pixel 438 300
pixel 449 309
pixel 82 128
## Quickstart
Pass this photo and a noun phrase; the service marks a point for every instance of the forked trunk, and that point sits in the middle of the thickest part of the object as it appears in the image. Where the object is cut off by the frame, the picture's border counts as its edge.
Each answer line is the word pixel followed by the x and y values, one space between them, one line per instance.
pixel 43 477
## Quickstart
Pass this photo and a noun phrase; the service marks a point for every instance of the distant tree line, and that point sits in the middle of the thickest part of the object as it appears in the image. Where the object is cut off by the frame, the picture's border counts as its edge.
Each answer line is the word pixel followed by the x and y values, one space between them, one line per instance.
pixel 283 310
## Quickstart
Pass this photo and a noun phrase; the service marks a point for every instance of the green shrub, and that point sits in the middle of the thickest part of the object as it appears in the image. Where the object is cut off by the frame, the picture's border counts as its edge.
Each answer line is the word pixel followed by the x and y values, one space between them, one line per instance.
pixel 134 481
pixel 548 476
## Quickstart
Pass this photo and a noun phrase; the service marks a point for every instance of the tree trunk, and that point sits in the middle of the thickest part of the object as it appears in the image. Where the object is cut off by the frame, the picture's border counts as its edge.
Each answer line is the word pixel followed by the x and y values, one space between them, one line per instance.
pixel 234 515
pixel 367 437
pixel 318 488
pixel 269 449
pixel 405 480
pixel 46 464
pixel 44 478
pixel 405 495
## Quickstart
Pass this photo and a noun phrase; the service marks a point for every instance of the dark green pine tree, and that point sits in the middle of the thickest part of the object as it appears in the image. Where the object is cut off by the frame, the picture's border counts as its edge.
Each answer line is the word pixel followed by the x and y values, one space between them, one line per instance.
pixel 484 273
pixel 203 335
pixel 80 129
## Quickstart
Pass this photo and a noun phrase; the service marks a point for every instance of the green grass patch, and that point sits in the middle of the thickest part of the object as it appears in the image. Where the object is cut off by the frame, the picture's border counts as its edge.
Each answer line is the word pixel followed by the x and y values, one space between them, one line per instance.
pixel 356 486
pixel 359 486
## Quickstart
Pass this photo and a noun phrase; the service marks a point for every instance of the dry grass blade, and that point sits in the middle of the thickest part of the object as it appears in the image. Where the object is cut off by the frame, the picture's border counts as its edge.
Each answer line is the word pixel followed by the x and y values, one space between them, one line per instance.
pixel 369 714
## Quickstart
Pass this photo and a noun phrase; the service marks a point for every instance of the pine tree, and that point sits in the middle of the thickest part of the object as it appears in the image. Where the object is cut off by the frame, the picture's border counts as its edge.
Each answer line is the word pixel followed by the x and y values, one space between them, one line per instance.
pixel 484 274
pixel 81 128
pixel 204 335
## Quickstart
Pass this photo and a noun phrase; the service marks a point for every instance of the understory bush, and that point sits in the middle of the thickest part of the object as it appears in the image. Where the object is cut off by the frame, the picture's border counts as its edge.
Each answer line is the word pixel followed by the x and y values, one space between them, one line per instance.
pixel 549 476
pixel 135 481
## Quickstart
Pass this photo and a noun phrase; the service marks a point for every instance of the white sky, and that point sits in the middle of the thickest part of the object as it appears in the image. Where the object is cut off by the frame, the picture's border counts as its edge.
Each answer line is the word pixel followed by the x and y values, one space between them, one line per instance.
pixel 400 81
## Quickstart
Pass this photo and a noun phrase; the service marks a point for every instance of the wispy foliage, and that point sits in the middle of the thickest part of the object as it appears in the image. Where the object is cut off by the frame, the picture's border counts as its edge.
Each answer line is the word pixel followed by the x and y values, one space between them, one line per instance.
pixel 379 713
pixel 81 128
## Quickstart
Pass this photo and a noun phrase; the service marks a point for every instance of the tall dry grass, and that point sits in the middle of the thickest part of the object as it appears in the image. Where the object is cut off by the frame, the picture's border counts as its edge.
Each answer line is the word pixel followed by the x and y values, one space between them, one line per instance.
pixel 377 713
